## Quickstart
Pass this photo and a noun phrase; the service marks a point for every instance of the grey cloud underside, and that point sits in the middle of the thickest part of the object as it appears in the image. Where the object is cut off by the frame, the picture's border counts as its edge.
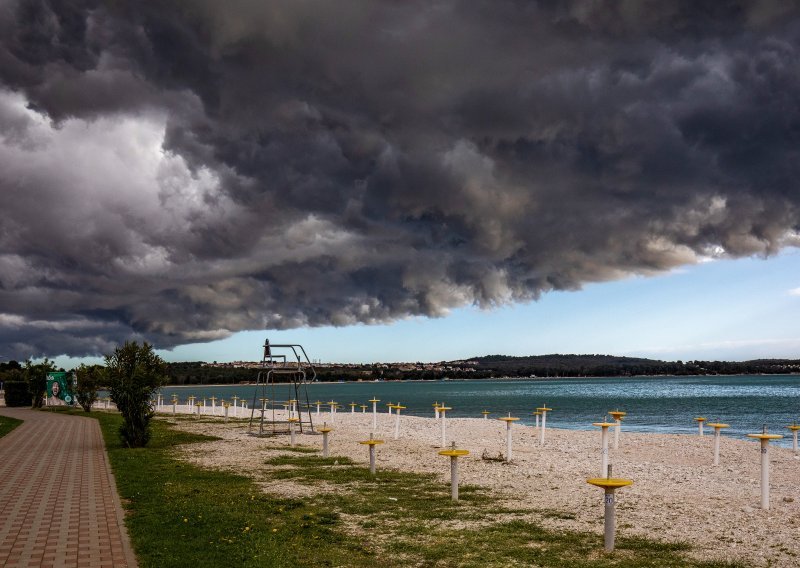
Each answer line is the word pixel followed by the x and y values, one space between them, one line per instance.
pixel 344 162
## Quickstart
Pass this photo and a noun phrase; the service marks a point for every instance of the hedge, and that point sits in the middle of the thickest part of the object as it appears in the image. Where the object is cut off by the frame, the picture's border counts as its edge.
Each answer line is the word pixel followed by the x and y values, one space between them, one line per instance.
pixel 17 393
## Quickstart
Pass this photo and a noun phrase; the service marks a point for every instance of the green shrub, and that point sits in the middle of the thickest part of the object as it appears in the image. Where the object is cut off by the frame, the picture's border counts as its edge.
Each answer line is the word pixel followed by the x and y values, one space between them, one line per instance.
pixel 134 374
pixel 88 379
pixel 36 375
pixel 17 393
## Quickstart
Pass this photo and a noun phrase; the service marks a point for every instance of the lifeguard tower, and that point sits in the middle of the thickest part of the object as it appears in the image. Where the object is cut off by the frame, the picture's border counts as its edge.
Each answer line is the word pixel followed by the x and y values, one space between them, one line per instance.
pixel 289 366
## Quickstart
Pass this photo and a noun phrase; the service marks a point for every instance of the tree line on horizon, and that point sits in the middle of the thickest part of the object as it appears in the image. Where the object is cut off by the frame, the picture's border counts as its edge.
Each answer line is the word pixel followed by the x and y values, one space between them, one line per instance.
pixel 490 366
pixel 496 366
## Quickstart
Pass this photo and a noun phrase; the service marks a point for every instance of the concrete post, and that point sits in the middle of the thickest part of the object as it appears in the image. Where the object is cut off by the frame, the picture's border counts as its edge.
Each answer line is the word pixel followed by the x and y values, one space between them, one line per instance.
pixel 374 402
pixel 765 438
pixel 443 415
pixel 765 474
pixel 454 478
pixel 509 456
pixel 610 519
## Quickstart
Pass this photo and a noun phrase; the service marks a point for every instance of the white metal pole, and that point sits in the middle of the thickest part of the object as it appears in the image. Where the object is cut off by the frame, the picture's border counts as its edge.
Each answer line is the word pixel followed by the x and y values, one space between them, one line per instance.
pixel 454 478
pixel 610 519
pixel 765 474
pixel 508 440
pixel 604 451
pixel 444 427
pixel 374 416
pixel 617 428
pixel 544 425
pixel 397 424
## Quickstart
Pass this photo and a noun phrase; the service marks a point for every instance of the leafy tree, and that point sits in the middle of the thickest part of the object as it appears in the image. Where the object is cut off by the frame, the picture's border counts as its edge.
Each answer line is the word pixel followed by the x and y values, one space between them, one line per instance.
pixel 36 376
pixel 16 388
pixel 134 373
pixel 10 366
pixel 12 375
pixel 89 379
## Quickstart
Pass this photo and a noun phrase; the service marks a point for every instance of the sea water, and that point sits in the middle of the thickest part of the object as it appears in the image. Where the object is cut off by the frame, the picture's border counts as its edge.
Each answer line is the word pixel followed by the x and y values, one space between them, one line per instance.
pixel 654 404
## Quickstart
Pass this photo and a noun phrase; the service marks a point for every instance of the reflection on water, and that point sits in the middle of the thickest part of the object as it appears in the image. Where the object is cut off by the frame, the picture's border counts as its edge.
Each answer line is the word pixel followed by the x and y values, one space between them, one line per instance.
pixel 654 404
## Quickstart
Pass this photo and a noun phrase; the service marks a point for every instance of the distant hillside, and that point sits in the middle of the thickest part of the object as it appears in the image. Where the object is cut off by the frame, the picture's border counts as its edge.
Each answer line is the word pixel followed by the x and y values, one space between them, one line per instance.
pixel 563 361
pixel 613 365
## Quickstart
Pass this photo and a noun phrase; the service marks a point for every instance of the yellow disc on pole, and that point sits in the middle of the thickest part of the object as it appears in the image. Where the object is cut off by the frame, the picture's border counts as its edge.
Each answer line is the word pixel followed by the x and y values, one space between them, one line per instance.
pixel 609 482
pixel 453 453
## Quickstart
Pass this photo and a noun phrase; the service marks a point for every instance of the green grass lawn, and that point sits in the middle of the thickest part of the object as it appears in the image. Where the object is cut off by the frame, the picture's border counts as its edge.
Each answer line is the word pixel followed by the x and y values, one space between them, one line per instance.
pixel 181 515
pixel 8 424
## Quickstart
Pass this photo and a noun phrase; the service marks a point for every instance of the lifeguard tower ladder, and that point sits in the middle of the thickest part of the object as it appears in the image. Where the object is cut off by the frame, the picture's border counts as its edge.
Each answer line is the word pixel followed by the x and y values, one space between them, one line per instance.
pixel 283 364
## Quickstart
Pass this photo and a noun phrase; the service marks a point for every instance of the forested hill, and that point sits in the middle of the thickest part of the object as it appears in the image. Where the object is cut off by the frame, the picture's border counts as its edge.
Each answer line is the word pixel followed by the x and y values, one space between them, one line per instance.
pixel 557 363
pixel 612 365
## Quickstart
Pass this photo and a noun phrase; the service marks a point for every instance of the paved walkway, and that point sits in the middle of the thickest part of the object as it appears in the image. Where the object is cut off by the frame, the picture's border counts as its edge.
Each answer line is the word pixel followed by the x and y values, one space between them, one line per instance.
pixel 58 502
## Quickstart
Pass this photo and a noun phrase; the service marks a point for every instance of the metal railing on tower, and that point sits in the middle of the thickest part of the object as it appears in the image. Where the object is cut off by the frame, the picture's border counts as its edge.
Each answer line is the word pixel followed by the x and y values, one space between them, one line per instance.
pixel 289 366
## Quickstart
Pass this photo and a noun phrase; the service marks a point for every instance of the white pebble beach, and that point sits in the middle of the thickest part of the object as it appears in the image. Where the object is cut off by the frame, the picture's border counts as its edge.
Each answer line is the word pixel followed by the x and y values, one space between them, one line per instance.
pixel 677 494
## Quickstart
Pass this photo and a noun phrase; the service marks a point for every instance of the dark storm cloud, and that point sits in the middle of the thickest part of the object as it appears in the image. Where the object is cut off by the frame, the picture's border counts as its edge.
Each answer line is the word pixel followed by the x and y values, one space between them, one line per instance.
pixel 178 171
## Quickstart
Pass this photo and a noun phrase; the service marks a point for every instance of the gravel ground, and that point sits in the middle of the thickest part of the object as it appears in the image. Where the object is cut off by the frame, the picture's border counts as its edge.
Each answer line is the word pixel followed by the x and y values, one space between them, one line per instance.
pixel 677 494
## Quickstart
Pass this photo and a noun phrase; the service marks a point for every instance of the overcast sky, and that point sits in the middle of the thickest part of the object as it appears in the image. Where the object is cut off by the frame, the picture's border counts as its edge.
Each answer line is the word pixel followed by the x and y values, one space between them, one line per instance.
pixel 180 172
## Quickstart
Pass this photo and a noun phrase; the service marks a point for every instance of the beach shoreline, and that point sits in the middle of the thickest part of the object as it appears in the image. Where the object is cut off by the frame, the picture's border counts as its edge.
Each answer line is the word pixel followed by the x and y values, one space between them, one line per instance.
pixel 533 379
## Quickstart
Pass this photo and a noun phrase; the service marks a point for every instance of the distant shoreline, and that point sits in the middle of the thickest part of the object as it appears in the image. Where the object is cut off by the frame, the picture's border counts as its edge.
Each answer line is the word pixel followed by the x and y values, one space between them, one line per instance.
pixel 350 381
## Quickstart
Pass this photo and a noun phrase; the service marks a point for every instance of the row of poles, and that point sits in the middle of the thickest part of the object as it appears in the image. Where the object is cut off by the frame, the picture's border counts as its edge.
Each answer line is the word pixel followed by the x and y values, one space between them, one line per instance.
pixel 606 481
pixel 609 484
pixel 764 437
pixel 440 411
pixel 198 406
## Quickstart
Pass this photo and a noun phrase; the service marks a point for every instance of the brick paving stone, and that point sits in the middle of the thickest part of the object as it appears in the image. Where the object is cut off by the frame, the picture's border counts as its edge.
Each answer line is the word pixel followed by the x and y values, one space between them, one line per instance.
pixel 57 495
